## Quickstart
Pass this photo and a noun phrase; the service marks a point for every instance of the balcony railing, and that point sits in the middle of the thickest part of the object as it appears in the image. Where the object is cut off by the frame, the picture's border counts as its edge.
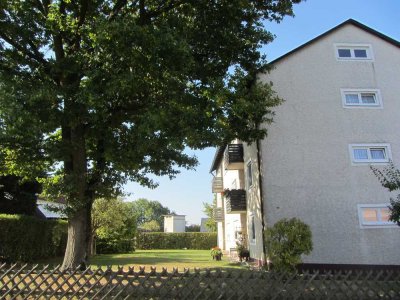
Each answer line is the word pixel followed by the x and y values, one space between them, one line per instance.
pixel 233 157
pixel 217 185
pixel 235 201
pixel 218 214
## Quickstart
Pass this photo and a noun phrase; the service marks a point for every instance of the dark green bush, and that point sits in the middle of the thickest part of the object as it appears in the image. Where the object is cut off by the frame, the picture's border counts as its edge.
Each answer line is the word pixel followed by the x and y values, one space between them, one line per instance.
pixel 104 246
pixel 286 241
pixel 25 239
pixel 188 240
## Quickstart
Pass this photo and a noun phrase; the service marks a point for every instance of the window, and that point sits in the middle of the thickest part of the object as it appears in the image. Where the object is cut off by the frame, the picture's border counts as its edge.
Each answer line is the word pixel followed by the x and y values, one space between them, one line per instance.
pixel 361 97
pixel 249 174
pixel 253 229
pixel 374 215
pixel 353 52
pixel 370 153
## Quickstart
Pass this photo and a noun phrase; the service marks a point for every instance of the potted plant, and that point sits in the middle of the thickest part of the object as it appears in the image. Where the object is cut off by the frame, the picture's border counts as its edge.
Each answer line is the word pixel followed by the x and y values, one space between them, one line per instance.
pixel 242 251
pixel 216 253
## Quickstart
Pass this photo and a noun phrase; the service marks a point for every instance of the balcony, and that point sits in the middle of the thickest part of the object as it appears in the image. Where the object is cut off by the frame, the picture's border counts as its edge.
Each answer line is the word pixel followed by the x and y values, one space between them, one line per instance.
pixel 218 214
pixel 217 185
pixel 235 201
pixel 233 157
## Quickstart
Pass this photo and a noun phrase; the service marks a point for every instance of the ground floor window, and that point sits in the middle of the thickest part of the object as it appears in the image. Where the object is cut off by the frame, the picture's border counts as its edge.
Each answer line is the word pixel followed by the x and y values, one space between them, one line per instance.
pixel 374 215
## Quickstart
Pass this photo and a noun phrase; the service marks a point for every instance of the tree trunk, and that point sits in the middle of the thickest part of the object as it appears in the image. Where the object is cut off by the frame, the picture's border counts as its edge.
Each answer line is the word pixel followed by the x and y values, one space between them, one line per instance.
pixel 76 251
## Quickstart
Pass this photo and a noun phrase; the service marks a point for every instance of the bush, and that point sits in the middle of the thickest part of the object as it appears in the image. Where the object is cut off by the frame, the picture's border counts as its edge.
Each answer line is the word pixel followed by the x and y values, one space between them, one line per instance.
pixel 104 246
pixel 25 239
pixel 286 241
pixel 181 240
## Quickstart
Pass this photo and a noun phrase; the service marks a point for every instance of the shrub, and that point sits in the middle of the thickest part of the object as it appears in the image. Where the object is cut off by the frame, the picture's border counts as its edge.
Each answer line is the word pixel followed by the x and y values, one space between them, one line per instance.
pixel 107 246
pixel 181 240
pixel 25 238
pixel 216 253
pixel 286 241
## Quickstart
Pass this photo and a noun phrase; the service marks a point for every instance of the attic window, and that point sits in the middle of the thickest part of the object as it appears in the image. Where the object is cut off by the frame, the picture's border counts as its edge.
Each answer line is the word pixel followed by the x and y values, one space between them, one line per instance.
pixel 353 52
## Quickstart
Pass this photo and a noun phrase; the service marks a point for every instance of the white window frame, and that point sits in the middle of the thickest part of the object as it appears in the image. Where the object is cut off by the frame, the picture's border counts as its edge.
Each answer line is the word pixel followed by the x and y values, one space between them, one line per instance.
pixel 370 161
pixel 352 47
pixel 249 177
pixel 359 92
pixel 377 224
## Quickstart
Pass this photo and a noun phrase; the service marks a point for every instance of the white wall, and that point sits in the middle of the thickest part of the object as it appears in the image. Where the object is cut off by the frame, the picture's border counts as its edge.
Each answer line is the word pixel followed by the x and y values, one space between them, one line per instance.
pixel 306 160
pixel 174 223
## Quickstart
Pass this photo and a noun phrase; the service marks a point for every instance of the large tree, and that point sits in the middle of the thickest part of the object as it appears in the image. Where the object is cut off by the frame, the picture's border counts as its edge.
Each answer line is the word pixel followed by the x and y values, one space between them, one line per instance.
pixel 96 93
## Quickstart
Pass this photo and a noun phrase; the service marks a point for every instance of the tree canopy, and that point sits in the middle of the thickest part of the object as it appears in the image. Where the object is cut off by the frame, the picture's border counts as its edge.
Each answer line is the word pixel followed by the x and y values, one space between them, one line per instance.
pixel 96 93
pixel 149 214
pixel 18 196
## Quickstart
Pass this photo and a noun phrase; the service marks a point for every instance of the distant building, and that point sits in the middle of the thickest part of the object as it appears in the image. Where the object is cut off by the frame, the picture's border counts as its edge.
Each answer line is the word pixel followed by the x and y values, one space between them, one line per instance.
pixel 203 227
pixel 174 223
pixel 50 210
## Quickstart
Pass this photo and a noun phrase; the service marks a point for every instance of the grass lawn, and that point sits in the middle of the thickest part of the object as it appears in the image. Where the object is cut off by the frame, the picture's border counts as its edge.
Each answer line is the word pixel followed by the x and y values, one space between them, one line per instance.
pixel 159 258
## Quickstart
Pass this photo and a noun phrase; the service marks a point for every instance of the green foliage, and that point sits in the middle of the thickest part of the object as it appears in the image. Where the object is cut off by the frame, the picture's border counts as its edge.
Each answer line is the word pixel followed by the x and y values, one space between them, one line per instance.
pixel 389 177
pixel 188 240
pixel 150 226
pixel 25 239
pixel 216 253
pixel 286 241
pixel 192 228
pixel 113 223
pixel 96 93
pixel 149 211
pixel 208 209
pixel 108 246
pixel 17 196
pixel 127 87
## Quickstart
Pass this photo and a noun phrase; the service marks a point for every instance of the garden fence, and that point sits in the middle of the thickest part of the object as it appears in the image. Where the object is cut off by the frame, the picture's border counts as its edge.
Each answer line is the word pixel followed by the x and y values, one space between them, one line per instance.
pixel 45 282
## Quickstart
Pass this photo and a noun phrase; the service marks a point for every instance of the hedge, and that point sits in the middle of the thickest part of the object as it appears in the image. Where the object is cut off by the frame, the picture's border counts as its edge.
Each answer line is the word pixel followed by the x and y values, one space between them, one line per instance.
pixel 25 238
pixel 104 246
pixel 188 240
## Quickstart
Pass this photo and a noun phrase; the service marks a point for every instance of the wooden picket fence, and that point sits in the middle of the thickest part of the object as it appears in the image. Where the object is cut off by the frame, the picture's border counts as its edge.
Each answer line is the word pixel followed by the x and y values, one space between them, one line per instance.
pixel 45 282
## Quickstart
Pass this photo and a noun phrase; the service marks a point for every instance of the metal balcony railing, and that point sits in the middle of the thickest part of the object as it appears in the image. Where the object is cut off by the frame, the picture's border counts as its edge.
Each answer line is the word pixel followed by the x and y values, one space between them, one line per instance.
pixel 217 185
pixel 218 214
pixel 233 157
pixel 235 201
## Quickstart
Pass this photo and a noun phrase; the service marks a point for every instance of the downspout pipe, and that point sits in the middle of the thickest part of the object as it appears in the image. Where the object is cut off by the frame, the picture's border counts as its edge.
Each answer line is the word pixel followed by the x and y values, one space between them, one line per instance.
pixel 260 182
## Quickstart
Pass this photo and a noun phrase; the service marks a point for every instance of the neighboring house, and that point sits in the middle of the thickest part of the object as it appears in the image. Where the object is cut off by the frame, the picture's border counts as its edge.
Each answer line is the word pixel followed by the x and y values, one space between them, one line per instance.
pixel 340 115
pixel 174 223
pixel 203 226
pixel 50 210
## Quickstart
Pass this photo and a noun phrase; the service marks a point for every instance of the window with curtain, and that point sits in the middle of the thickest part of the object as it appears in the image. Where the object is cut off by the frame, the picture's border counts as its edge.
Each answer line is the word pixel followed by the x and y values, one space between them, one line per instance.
pixel 374 215
pixel 370 153
pixel 361 98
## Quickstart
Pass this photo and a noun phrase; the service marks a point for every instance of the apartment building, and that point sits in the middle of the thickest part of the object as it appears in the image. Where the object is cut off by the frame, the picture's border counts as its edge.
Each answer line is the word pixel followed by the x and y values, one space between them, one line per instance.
pixel 340 116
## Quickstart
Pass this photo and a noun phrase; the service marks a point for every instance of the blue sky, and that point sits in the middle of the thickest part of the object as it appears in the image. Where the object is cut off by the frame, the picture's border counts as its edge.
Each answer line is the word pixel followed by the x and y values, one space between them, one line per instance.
pixel 186 193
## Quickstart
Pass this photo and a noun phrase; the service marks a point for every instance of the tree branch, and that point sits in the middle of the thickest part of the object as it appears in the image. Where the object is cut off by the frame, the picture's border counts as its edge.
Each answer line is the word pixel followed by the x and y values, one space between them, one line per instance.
pixel 165 8
pixel 119 5
pixel 36 55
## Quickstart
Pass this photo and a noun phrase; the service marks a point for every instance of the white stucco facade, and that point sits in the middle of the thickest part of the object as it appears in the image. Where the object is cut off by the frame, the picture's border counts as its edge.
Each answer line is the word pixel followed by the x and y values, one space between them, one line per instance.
pixel 233 226
pixel 338 106
pixel 307 165
pixel 174 223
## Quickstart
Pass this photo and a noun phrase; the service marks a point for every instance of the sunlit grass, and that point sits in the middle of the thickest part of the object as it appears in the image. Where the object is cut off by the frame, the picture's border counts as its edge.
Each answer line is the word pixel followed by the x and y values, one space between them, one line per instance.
pixel 159 258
